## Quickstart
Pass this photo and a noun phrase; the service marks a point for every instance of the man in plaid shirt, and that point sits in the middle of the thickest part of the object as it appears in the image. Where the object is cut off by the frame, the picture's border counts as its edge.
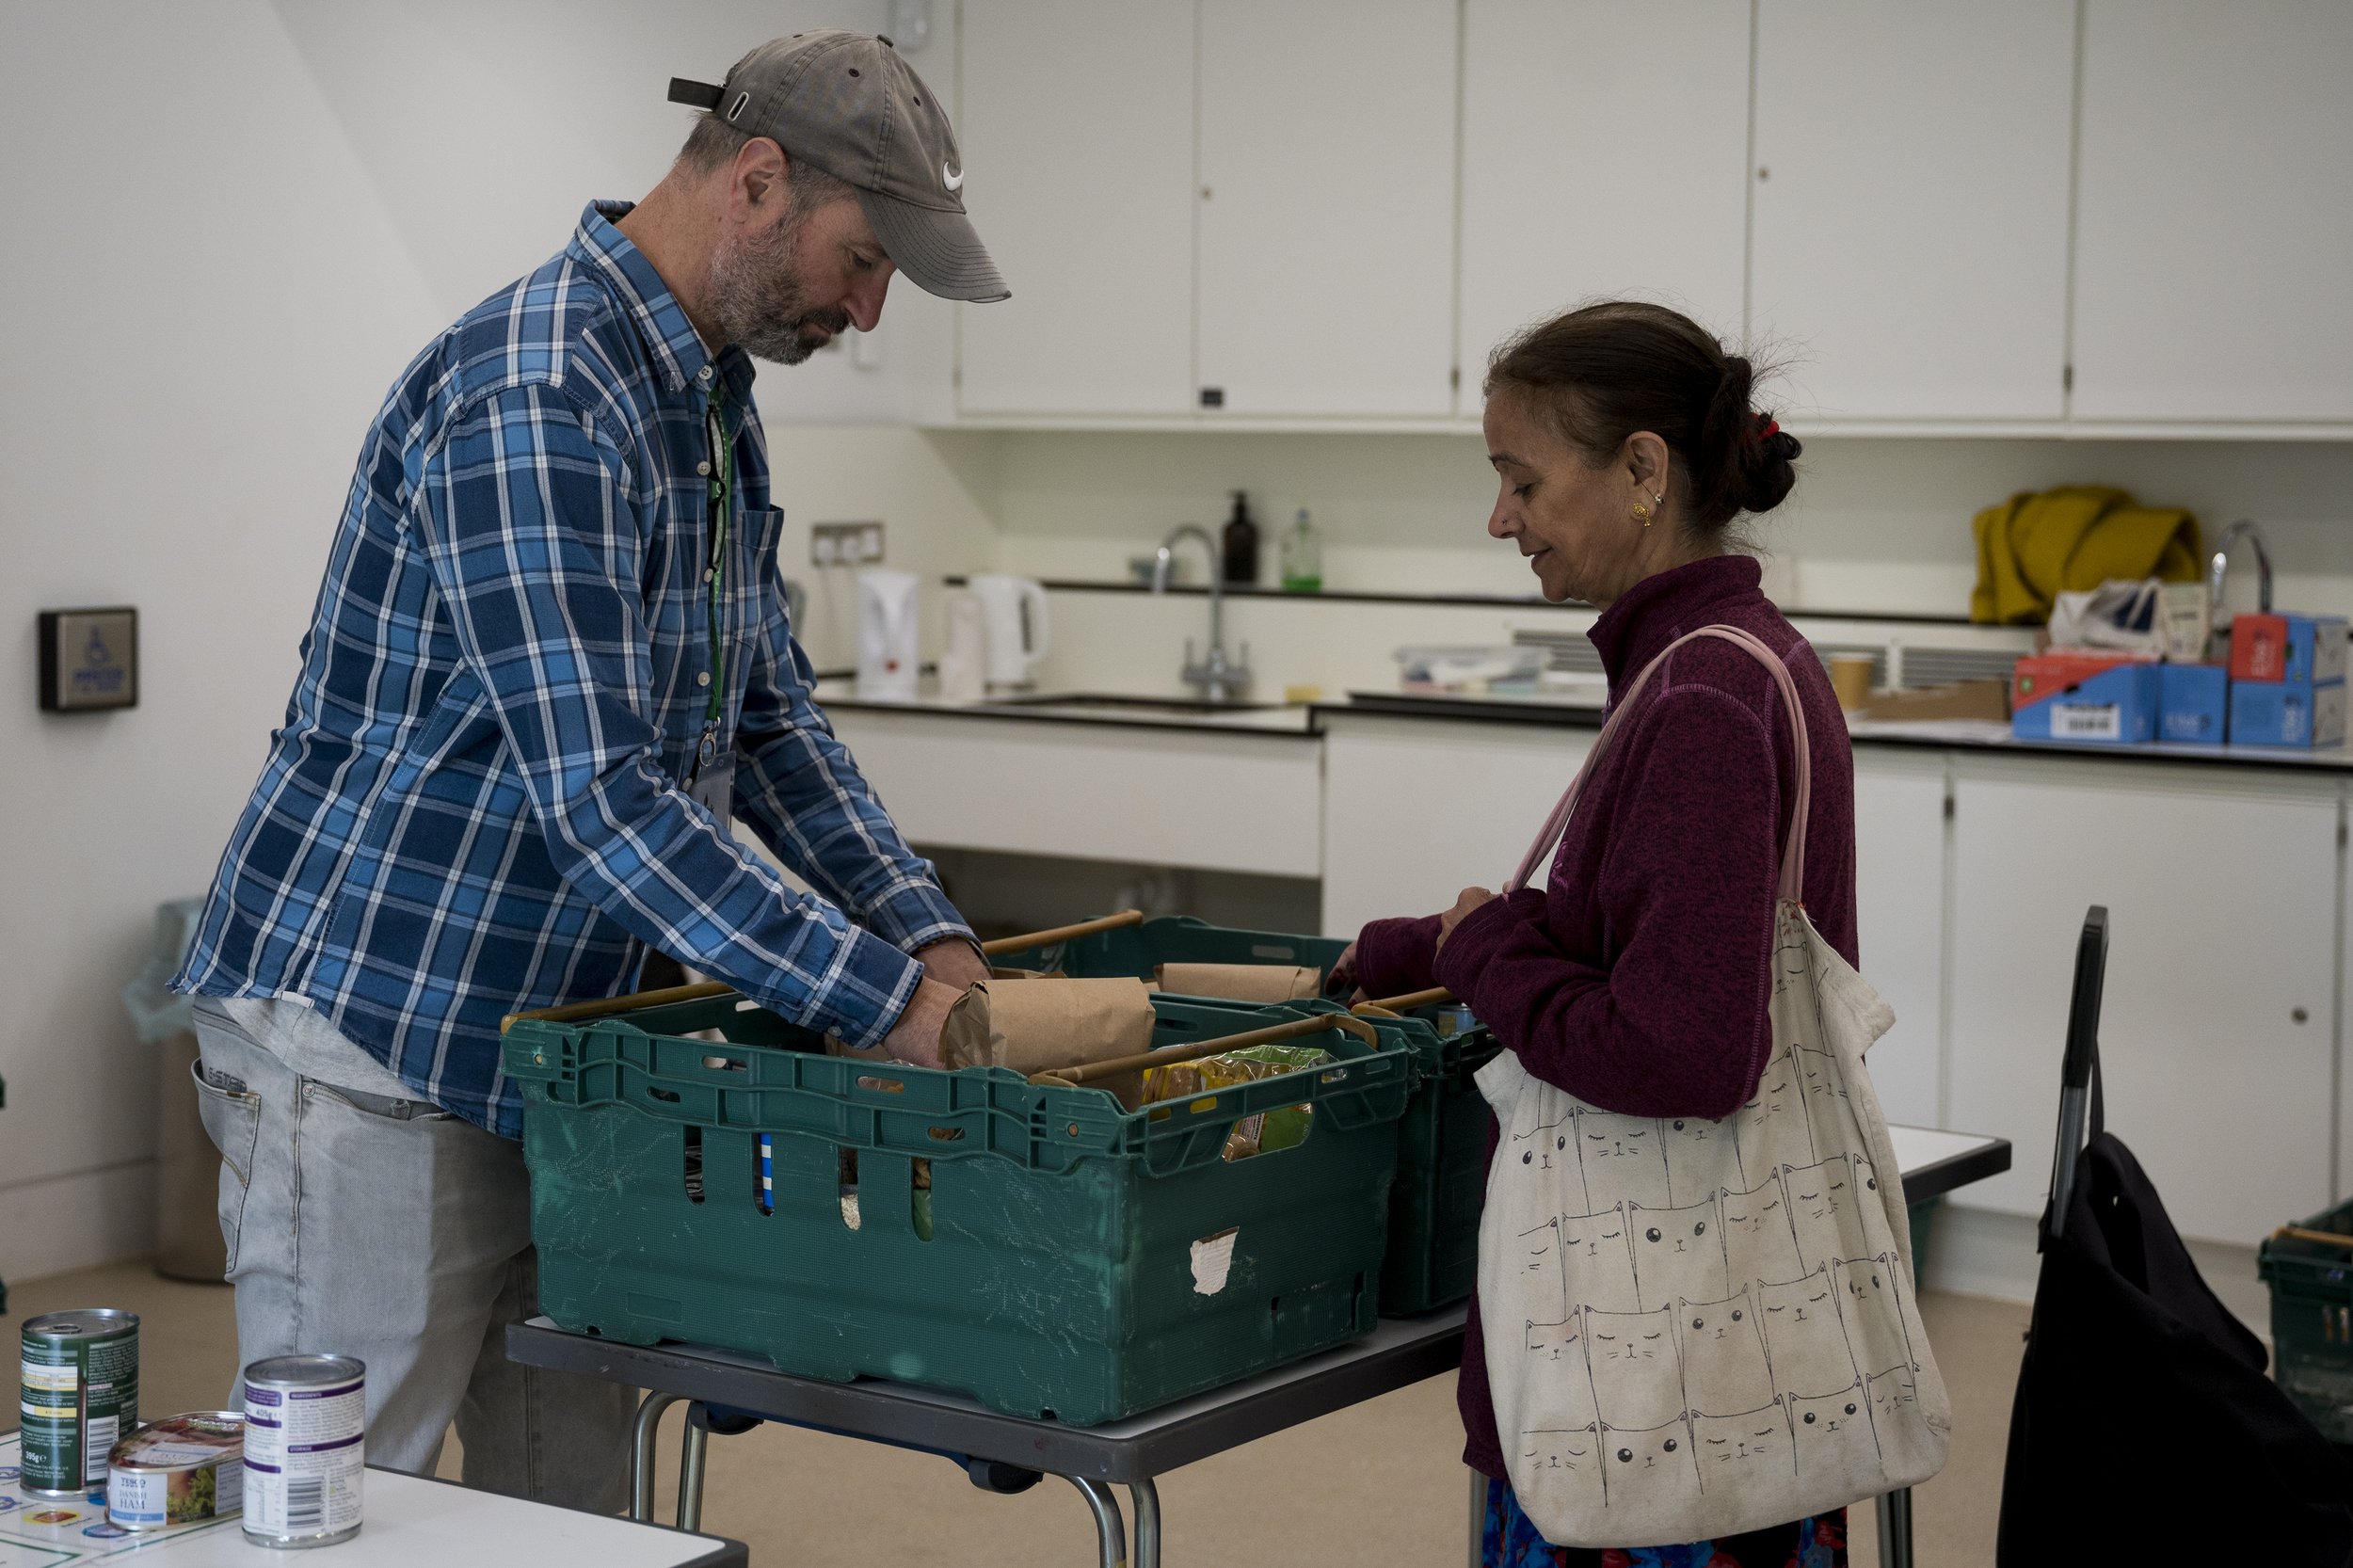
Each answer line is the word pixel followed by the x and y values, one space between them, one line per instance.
pixel 549 662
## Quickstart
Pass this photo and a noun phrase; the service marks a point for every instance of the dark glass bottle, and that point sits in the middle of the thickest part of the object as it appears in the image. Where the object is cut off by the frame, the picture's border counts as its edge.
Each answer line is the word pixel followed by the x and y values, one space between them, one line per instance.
pixel 1240 543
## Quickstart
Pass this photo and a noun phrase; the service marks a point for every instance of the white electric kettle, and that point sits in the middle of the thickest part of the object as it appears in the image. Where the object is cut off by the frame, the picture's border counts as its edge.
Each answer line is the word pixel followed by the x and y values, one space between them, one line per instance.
pixel 1013 609
pixel 887 625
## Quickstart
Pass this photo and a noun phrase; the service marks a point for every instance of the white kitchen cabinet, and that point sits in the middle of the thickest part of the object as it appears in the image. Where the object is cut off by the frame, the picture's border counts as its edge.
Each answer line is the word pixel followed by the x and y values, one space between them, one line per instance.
pixel 2215 212
pixel 1899 918
pixel 1077 133
pixel 1557 205
pixel 1909 250
pixel 1415 810
pixel 1212 801
pixel 2215 1030
pixel 1326 207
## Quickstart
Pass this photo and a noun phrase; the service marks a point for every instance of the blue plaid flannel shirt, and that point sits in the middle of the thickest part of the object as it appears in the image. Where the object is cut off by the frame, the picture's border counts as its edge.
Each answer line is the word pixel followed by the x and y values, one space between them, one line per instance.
pixel 477 803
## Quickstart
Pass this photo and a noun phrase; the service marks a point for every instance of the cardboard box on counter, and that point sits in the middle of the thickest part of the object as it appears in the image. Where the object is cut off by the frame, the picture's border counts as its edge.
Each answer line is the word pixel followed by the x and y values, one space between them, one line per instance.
pixel 1964 699
pixel 2274 714
pixel 2114 705
pixel 2193 703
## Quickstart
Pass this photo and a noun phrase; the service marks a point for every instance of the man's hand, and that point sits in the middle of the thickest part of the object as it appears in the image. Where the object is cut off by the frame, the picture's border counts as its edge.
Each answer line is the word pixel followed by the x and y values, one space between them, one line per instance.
pixel 915 1038
pixel 954 963
pixel 1470 898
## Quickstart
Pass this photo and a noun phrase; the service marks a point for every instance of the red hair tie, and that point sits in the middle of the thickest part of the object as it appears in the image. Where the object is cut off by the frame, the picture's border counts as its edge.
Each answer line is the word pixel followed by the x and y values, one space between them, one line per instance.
pixel 1772 427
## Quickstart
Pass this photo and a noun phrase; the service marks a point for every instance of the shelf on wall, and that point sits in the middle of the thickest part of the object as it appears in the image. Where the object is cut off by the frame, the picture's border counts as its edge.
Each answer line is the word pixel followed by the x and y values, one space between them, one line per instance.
pixel 1483 602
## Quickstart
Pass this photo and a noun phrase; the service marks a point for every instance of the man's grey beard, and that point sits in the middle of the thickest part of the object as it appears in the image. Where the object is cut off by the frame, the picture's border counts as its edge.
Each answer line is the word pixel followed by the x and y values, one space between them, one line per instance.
pixel 756 298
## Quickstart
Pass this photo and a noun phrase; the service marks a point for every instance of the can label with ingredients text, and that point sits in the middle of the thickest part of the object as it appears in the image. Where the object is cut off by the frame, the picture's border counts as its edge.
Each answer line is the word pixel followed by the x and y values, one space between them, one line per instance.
pixel 305 1449
pixel 80 1394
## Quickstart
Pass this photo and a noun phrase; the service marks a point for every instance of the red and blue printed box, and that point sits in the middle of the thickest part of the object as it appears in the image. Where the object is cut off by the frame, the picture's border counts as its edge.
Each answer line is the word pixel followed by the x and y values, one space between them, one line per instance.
pixel 2117 706
pixel 2294 650
pixel 2274 713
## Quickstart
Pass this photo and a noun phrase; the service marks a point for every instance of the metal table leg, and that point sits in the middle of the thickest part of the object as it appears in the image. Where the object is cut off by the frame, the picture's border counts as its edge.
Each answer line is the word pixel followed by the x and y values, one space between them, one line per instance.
pixel 1895 1510
pixel 641 1454
pixel 1147 1500
pixel 1110 1528
pixel 1477 1518
pixel 694 1451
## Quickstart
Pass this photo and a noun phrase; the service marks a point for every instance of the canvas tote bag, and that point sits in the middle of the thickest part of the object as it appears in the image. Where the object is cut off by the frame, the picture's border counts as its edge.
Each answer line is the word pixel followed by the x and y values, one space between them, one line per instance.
pixel 1696 1328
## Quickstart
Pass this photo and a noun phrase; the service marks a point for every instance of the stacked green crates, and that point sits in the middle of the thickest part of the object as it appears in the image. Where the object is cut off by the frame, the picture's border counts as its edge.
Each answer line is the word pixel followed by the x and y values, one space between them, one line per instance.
pixel 2312 1320
pixel 1040 1249
pixel 1442 1138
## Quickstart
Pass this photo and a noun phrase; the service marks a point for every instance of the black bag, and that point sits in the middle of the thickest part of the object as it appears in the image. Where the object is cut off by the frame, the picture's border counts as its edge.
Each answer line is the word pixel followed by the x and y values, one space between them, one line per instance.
pixel 2144 1428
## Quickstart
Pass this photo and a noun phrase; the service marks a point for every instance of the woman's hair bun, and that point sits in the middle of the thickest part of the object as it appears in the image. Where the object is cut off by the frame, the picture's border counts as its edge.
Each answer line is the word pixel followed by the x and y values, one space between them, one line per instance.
pixel 1603 372
pixel 1763 464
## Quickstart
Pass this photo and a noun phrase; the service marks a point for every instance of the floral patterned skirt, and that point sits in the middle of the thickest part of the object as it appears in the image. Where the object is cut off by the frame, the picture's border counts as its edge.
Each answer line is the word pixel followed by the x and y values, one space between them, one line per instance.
pixel 1510 1540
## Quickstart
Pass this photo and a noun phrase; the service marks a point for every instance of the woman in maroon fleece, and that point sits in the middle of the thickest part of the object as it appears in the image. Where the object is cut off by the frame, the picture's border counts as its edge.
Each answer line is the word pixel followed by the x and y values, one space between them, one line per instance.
pixel 1638 978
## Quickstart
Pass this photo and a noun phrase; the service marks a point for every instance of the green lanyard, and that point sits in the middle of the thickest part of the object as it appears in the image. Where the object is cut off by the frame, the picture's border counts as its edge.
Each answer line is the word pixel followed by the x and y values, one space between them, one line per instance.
pixel 721 471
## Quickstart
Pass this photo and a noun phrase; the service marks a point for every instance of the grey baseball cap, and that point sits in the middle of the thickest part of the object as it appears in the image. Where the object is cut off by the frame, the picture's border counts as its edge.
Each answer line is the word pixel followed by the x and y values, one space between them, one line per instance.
pixel 848 105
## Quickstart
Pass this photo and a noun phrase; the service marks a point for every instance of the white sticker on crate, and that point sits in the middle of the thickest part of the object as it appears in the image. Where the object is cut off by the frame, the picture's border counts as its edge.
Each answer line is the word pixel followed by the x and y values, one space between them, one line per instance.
pixel 2087 721
pixel 1212 1260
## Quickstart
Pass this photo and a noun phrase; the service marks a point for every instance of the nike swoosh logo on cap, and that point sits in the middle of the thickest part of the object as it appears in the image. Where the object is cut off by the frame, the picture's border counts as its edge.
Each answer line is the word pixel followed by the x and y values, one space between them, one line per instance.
pixel 955 181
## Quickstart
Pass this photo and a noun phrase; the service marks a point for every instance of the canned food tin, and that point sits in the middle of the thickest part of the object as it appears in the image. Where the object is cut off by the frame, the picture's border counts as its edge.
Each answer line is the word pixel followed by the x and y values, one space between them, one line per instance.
pixel 81 1392
pixel 305 1449
pixel 181 1470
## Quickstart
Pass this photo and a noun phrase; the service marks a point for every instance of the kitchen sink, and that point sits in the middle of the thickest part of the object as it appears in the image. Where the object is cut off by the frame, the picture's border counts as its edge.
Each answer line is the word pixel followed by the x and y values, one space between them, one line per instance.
pixel 1113 702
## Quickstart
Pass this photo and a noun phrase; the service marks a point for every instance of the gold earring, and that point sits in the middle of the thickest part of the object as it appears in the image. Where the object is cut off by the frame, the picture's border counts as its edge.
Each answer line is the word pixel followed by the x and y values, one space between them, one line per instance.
pixel 1641 514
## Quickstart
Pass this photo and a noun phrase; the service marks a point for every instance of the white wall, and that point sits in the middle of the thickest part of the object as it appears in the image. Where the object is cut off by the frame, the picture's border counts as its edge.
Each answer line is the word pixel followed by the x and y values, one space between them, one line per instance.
pixel 1875 524
pixel 230 225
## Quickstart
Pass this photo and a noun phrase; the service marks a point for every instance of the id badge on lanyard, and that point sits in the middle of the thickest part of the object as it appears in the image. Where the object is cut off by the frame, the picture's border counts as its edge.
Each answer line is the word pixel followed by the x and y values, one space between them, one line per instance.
pixel 713 784
pixel 713 788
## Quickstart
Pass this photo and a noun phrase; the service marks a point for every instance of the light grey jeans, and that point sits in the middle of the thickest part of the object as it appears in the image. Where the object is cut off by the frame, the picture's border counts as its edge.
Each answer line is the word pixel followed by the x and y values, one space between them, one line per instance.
pixel 361 1222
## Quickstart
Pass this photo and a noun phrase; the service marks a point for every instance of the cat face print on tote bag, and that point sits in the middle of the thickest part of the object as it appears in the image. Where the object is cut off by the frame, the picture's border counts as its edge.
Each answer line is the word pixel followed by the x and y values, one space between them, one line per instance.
pixel 1722 1333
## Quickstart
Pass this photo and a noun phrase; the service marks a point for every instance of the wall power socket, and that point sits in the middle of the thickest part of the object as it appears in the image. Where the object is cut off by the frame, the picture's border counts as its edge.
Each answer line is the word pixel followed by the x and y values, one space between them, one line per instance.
pixel 845 544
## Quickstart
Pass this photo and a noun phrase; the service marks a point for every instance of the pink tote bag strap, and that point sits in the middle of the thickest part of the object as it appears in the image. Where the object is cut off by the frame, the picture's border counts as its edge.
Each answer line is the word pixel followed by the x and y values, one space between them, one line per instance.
pixel 1793 851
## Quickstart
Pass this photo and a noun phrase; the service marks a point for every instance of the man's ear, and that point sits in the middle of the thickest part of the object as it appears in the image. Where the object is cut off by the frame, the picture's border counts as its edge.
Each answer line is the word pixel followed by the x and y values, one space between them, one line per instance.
pixel 756 178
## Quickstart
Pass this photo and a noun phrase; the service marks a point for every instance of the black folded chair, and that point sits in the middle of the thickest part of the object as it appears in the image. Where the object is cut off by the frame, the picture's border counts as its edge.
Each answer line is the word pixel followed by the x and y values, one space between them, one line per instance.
pixel 2144 1428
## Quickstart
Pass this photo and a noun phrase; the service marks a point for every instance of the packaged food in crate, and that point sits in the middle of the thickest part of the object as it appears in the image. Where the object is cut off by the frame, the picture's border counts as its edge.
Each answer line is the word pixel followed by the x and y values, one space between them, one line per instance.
pixel 1440 1181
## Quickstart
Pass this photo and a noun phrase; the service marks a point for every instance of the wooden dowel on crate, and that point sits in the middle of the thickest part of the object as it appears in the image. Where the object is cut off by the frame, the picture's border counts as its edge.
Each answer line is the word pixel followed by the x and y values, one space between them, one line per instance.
pixel 1061 934
pixel 1436 996
pixel 572 1012
pixel 2300 1232
pixel 1170 1056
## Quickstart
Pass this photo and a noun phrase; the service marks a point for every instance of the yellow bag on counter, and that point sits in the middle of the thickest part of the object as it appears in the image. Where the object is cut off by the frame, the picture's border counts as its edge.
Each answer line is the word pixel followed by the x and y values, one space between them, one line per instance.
pixel 2032 548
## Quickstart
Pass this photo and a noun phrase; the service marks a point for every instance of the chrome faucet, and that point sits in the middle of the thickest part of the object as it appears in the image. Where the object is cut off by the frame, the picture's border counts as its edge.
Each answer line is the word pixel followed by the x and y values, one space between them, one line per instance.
pixel 2221 567
pixel 1216 680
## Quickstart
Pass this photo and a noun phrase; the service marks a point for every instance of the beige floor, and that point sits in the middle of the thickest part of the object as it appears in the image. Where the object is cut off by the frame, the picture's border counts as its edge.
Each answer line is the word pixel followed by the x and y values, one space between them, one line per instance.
pixel 1372 1487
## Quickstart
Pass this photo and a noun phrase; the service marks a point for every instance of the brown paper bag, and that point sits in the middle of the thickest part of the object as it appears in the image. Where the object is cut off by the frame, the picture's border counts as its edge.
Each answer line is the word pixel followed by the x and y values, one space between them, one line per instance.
pixel 1242 982
pixel 1032 1025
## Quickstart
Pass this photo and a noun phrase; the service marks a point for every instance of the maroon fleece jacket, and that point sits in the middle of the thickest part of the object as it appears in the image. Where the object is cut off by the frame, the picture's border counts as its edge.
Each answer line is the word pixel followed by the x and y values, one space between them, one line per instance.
pixel 1638 978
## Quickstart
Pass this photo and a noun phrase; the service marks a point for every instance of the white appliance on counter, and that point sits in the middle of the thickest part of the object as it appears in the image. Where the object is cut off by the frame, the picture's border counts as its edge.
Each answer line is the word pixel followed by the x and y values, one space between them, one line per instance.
pixel 963 657
pixel 887 620
pixel 1012 614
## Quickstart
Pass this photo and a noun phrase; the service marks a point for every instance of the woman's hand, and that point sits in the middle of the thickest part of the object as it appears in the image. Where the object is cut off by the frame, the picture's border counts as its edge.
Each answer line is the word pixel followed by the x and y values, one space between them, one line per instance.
pixel 1341 981
pixel 1471 898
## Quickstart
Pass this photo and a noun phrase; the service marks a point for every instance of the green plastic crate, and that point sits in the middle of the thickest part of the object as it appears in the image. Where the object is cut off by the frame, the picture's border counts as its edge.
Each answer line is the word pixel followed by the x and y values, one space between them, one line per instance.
pixel 2311 1321
pixel 1442 1138
pixel 1069 1261
pixel 1139 950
